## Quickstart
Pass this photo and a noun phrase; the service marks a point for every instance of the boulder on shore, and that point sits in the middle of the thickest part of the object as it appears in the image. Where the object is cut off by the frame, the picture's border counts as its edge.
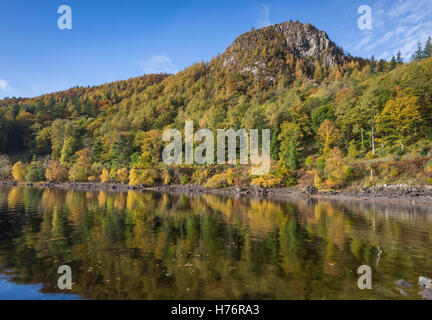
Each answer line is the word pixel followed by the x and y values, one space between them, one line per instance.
pixel 425 282
pixel 403 283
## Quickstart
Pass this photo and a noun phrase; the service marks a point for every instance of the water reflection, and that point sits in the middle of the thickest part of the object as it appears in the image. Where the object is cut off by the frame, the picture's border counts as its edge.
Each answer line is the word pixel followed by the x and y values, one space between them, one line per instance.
pixel 134 245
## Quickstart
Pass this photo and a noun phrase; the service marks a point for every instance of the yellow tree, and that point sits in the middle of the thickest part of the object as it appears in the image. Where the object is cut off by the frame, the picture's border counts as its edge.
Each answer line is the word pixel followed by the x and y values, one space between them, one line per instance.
pixel 80 171
pixel 335 168
pixel 18 171
pixel 401 117
pixel 123 175
pixel 104 178
pixel 150 145
pixel 328 135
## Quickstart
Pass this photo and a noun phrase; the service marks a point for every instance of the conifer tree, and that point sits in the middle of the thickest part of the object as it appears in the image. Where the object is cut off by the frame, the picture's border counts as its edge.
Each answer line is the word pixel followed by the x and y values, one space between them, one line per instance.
pixel 427 52
pixel 418 55
pixel 393 63
pixel 399 58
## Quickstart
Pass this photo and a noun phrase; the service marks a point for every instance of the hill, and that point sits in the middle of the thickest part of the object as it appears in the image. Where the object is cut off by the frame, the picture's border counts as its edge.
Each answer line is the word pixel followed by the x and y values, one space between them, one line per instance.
pixel 330 114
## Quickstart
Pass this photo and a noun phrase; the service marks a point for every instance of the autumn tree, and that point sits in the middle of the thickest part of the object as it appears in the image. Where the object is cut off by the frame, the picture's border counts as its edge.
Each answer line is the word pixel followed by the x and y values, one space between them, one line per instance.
pixel 123 175
pixel 328 135
pixel 336 171
pixel 80 171
pixel 18 172
pixel 5 167
pixel 401 118
pixel 56 172
pixel 104 178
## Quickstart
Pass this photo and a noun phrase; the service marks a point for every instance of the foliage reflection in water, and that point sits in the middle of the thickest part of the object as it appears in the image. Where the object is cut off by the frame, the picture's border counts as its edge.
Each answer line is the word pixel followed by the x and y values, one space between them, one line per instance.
pixel 134 245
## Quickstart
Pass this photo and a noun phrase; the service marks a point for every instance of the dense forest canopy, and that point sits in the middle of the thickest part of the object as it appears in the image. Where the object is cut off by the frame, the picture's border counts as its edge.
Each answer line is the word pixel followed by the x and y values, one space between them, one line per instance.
pixel 327 112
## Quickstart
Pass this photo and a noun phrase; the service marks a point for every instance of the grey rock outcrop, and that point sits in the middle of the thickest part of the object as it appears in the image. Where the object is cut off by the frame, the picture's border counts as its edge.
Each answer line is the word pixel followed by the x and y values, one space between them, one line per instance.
pixel 425 283
pixel 288 38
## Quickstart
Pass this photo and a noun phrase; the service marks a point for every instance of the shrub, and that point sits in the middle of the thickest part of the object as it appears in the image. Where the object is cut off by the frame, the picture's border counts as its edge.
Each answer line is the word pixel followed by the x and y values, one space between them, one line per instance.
pixel 221 180
pixel 78 174
pixel 285 175
pixel 200 175
pixel 113 175
pixel 425 151
pixel 320 163
pixel 104 177
pixel 370 155
pixel 56 172
pixel 394 172
pixel 400 151
pixel 168 175
pixel 18 172
pixel 123 175
pixel 35 172
pixel 5 167
pixel 185 180
pixel 143 177
pixel 269 181
pixel 310 162
pixel 318 182
pixel 428 166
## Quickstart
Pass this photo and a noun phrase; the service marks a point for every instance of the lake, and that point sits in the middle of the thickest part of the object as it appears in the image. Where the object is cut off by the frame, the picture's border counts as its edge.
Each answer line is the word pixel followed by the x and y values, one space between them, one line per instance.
pixel 134 245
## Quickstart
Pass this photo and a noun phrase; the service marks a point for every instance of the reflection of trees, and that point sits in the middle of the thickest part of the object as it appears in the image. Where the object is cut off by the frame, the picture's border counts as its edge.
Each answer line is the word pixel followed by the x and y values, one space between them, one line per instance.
pixel 157 246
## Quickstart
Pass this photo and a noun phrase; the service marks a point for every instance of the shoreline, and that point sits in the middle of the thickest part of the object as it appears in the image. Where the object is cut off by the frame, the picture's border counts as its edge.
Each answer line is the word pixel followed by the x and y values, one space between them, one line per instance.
pixel 398 193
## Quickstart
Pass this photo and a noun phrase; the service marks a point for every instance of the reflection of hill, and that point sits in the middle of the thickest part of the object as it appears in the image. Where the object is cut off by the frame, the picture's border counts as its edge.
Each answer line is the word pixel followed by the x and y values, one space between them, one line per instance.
pixel 158 246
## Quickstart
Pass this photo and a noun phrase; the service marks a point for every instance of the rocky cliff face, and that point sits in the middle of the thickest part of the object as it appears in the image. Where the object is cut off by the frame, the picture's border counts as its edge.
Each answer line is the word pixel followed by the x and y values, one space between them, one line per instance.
pixel 260 51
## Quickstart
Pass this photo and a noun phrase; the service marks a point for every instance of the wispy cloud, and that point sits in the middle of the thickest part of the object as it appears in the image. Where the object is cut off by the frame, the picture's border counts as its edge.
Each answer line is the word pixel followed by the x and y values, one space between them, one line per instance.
pixel 4 85
pixel 264 17
pixel 157 64
pixel 397 25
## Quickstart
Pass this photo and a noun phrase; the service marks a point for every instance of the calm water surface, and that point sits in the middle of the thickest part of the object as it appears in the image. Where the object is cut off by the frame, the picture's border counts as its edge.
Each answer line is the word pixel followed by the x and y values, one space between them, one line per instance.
pixel 136 245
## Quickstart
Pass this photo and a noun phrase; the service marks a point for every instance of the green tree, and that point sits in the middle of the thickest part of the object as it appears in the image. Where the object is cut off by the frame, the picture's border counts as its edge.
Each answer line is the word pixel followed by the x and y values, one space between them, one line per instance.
pixel 418 54
pixel 399 59
pixel 427 52
pixel 372 65
pixel 393 63
pixel 289 138
pixel 67 150
pixel 35 171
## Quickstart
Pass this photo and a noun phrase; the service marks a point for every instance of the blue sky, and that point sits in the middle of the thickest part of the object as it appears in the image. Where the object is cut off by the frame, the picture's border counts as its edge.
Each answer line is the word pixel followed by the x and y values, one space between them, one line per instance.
pixel 116 40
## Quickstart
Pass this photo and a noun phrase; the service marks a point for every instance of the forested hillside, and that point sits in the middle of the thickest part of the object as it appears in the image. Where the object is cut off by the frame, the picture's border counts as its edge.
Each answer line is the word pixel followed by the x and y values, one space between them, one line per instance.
pixel 335 119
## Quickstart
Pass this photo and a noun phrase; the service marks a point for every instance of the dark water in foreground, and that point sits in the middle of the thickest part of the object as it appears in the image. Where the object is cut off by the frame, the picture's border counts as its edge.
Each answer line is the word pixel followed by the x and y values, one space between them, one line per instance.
pixel 135 245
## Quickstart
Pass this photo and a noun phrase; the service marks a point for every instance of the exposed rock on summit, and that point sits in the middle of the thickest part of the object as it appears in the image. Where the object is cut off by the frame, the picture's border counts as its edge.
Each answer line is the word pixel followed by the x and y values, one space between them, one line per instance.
pixel 270 49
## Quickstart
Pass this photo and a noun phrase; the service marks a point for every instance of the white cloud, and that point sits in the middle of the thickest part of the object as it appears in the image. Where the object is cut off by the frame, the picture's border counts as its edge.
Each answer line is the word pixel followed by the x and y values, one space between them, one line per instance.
pixel 264 17
pixel 4 85
pixel 363 42
pixel 157 64
pixel 397 25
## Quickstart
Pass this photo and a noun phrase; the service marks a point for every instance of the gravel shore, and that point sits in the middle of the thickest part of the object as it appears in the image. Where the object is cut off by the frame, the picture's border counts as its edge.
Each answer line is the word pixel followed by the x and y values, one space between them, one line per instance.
pixel 396 193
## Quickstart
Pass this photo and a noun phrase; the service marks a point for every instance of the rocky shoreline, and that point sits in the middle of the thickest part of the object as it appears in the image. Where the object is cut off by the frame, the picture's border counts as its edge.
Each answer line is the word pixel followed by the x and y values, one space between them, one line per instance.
pixel 398 192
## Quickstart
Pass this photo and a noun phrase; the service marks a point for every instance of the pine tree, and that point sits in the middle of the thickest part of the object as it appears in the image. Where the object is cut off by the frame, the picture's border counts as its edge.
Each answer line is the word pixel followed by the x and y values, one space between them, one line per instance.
pixel 399 58
pixel 393 63
pixel 418 55
pixel 372 65
pixel 427 53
